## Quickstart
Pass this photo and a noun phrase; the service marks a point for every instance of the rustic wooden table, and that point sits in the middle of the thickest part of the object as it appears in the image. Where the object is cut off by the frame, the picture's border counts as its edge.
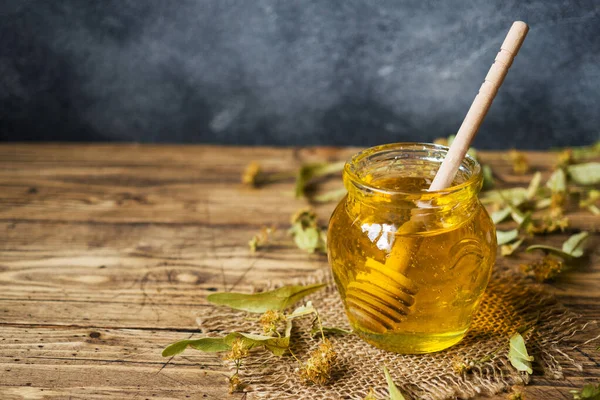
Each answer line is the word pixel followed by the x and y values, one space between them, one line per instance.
pixel 108 252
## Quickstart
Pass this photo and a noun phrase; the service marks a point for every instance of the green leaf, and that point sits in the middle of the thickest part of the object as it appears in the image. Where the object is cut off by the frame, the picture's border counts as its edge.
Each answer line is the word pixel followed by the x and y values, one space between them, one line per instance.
pixel 306 232
pixel 585 174
pixel 314 170
pixel 534 185
pixel 504 237
pixel 329 330
pixel 517 354
pixel 277 300
pixel 395 393
pixel 574 245
pixel 514 196
pixel 302 311
pixel 589 392
pixel 209 345
pixel 500 215
pixel 488 177
pixel 331 196
pixel 509 249
pixel 557 182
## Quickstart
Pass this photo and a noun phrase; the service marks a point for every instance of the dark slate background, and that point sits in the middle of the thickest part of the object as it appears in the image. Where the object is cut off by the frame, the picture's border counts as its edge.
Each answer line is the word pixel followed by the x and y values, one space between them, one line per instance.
pixel 294 72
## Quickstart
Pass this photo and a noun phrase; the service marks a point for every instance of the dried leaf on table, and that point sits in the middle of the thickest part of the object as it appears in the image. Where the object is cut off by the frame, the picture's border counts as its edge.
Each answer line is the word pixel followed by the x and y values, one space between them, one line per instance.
pixel 585 174
pixel 509 249
pixel 573 247
pixel 307 233
pixel 207 344
pixel 329 330
pixel 278 299
pixel 500 215
pixel 504 237
pixel 517 354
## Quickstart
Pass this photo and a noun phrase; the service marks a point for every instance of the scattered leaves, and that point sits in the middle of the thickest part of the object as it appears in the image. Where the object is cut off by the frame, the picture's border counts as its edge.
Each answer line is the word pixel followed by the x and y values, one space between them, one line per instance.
pixel 317 369
pixel 517 354
pixel 306 232
pixel 278 299
pixel 395 393
pixel 589 392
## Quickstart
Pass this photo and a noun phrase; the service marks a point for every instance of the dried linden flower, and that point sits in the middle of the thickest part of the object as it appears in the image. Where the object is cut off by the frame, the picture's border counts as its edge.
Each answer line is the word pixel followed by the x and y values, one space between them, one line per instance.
pixel 251 174
pixel 519 162
pixel 565 157
pixel 261 239
pixel 460 367
pixel 370 395
pixel 235 384
pixel 516 395
pixel 270 320
pixel 544 269
pixel 239 350
pixel 317 369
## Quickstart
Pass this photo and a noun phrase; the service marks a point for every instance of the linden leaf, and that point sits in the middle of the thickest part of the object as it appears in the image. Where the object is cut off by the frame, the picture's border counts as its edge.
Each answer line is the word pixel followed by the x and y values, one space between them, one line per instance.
pixel 509 249
pixel 208 344
pixel 586 152
pixel 514 196
pixel 314 170
pixel 500 215
pixel 302 311
pixel 504 237
pixel 573 247
pixel 585 174
pixel 589 392
pixel 575 244
pixel 534 185
pixel 278 299
pixel 331 196
pixel 557 182
pixel 306 232
pixel 395 393
pixel 488 177
pixel 517 354
pixel 331 330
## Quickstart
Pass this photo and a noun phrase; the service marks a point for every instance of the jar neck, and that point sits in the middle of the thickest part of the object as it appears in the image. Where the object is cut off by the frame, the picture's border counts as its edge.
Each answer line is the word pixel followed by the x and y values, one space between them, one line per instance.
pixel 395 178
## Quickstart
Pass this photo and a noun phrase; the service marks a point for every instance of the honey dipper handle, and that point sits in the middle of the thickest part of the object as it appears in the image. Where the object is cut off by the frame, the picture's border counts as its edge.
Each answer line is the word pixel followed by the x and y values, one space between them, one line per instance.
pixel 467 131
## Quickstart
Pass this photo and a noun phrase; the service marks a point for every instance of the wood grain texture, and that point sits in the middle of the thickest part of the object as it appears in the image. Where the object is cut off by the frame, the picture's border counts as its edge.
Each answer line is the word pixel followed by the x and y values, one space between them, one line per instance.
pixel 107 253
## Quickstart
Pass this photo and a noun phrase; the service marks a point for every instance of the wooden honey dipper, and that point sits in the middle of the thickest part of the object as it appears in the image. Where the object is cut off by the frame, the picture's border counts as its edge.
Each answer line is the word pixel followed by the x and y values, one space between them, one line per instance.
pixel 380 298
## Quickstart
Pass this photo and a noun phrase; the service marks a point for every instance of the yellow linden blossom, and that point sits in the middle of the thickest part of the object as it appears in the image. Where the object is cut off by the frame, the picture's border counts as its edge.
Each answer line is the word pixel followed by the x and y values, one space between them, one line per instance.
pixel 235 384
pixel 317 369
pixel 238 351
pixel 270 320
pixel 251 174
pixel 519 162
pixel 370 395
pixel 544 269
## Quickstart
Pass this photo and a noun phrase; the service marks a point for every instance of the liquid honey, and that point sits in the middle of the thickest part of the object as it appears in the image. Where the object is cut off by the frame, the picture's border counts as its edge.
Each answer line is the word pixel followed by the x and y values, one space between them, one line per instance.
pixel 410 266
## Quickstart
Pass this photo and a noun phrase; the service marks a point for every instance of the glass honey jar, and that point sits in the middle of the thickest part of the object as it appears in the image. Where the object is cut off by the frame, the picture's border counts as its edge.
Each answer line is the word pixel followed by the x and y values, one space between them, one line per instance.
pixel 411 265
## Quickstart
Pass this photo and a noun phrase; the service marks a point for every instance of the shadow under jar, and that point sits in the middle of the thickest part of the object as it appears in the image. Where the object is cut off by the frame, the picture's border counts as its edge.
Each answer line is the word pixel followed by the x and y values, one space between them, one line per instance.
pixel 411 266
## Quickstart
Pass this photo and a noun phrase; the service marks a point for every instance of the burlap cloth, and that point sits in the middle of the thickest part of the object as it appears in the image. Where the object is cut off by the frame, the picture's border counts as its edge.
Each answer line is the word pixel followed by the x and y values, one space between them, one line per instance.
pixel 510 302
